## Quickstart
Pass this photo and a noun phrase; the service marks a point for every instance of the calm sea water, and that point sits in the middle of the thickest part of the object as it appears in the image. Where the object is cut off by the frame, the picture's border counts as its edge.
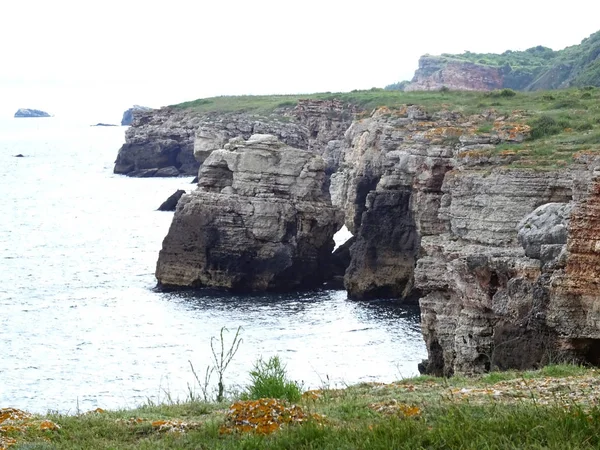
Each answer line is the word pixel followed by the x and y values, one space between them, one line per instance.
pixel 81 325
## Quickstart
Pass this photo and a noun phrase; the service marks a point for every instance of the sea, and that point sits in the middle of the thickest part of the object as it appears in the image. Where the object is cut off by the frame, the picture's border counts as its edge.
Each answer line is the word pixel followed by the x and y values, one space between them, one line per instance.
pixel 82 325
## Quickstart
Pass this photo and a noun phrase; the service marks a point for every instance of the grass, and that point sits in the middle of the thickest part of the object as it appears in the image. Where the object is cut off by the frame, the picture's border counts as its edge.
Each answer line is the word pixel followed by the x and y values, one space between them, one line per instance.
pixel 564 122
pixel 541 67
pixel 468 102
pixel 554 408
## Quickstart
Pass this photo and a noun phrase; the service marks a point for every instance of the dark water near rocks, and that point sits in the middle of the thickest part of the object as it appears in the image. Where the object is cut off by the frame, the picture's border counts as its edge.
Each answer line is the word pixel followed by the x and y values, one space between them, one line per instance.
pixel 80 323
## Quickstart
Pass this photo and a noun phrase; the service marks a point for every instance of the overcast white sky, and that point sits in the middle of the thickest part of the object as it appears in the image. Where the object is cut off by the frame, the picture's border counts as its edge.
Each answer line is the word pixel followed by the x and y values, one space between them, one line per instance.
pixel 98 58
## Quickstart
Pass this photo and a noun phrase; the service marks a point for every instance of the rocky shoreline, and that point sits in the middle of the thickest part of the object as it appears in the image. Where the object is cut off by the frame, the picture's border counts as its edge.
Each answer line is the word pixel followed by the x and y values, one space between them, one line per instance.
pixel 503 261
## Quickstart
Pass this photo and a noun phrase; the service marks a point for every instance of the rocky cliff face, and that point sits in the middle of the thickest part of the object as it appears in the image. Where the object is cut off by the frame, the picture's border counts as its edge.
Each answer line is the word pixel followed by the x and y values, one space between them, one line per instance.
pixel 503 261
pixel 171 142
pixel 390 188
pixel 159 143
pixel 128 114
pixel 261 219
pixel 435 73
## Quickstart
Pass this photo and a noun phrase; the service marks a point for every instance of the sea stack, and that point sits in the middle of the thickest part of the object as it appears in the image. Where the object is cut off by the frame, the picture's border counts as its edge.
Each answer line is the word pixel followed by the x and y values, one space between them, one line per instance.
pixel 261 219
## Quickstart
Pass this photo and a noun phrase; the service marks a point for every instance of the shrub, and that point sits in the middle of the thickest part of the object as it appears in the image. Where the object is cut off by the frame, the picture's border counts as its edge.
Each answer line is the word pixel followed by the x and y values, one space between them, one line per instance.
pixel 507 93
pixel 502 93
pixel 568 103
pixel 269 380
pixel 546 126
pixel 584 126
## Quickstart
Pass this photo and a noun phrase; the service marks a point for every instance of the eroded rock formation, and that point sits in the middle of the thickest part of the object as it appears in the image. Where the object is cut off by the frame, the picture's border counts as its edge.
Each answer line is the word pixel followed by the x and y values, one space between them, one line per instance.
pixel 503 260
pixel 170 204
pixel 128 114
pixel 171 142
pixel 159 143
pixel 261 219
pixel 390 188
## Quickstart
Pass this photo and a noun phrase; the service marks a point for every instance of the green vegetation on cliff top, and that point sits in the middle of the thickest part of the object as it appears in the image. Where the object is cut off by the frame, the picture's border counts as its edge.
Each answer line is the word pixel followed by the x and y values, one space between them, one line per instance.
pixel 541 68
pixel 570 118
pixel 554 408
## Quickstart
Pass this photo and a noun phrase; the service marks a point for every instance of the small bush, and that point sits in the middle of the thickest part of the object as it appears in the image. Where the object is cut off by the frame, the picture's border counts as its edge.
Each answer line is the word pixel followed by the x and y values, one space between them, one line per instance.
pixel 269 380
pixel 569 103
pixel 546 126
pixel 502 93
pixel 586 95
pixel 584 126
pixel 507 93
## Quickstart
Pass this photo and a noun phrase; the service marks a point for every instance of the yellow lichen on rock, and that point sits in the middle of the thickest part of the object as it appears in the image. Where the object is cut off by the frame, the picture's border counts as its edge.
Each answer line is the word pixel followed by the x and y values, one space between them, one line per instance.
pixel 394 408
pixel 263 416
pixel 14 420
pixel 174 426
pixel 6 442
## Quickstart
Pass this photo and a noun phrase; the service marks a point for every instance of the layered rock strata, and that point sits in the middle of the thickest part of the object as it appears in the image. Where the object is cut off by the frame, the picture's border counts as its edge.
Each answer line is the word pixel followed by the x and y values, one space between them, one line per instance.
pixel 261 219
pixel 159 143
pixel 513 283
pixel 171 142
pixel 503 260
pixel 435 73
pixel 129 113
pixel 389 187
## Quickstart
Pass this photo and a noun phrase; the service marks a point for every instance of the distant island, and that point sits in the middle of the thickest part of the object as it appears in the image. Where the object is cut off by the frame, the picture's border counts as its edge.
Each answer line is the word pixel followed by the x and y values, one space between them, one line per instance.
pixel 26 112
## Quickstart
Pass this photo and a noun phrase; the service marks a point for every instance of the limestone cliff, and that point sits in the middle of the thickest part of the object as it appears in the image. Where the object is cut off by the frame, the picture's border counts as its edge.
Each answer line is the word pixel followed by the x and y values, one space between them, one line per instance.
pixel 435 73
pixel 173 141
pixel 390 188
pixel 505 273
pixel 261 219
pixel 502 257
pixel 128 114
pixel 159 143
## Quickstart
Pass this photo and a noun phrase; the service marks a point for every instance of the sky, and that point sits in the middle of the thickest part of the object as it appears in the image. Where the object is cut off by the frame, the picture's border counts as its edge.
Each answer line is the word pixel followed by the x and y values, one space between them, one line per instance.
pixel 96 59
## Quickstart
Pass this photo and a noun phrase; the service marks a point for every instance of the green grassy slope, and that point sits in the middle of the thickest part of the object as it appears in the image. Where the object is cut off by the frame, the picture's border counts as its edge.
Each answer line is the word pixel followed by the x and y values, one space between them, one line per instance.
pixel 541 68
pixel 563 121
